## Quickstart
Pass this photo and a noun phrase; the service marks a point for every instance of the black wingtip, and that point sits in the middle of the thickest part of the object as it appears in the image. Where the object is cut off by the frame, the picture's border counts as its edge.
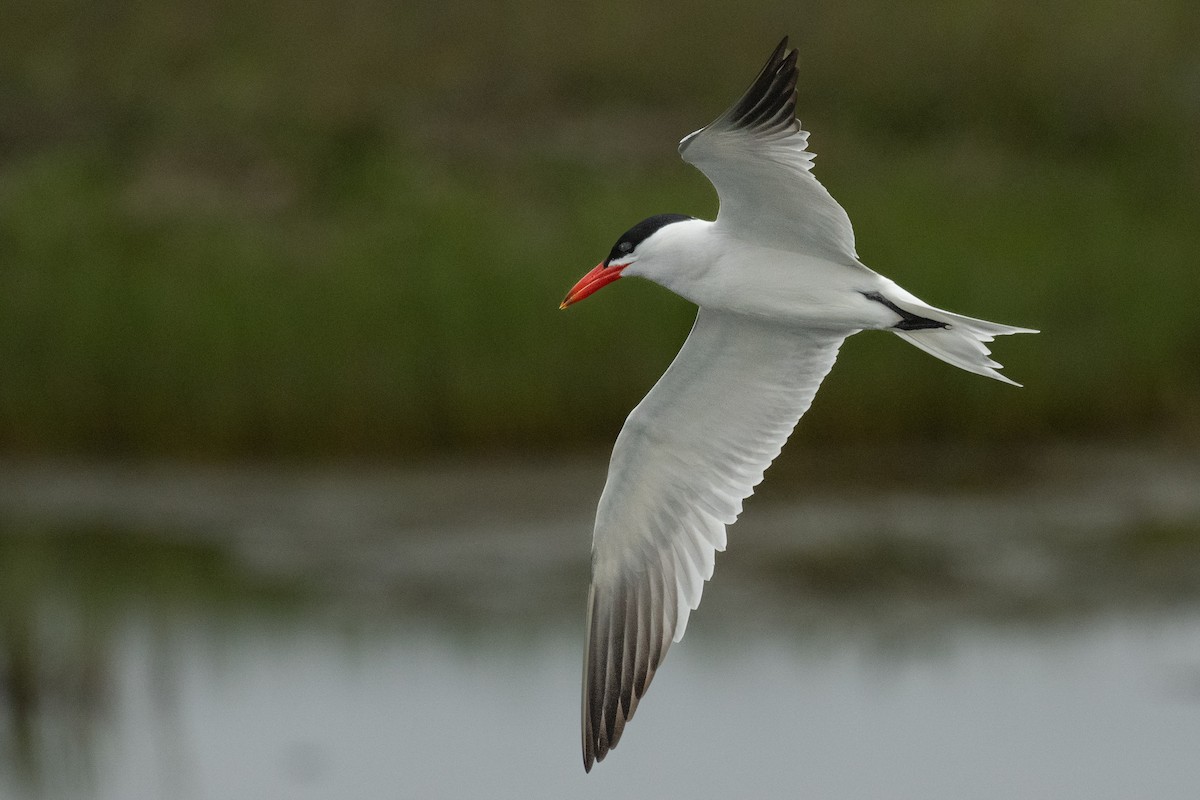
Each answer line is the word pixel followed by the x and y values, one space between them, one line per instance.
pixel 769 104
pixel 626 640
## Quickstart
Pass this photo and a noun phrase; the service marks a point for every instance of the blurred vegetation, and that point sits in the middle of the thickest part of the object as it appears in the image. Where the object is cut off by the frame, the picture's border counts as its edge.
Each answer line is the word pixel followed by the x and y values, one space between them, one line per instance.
pixel 342 229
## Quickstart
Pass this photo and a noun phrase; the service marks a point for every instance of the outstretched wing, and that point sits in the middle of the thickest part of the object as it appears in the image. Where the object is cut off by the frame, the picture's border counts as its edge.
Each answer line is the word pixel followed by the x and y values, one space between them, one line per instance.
pixel 756 156
pixel 688 455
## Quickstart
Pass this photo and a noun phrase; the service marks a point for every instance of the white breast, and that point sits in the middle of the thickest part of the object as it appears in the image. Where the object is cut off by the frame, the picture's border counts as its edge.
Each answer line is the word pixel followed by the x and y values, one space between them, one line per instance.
pixel 696 261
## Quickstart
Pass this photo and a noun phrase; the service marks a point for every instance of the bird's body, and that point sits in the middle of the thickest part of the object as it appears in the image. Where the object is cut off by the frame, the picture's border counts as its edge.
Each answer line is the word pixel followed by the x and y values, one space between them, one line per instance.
pixel 780 287
pixel 718 271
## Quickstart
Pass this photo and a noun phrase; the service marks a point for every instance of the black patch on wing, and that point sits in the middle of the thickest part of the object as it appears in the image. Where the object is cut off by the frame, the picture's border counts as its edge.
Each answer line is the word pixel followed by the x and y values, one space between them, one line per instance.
pixel 639 233
pixel 908 320
pixel 769 105
pixel 626 641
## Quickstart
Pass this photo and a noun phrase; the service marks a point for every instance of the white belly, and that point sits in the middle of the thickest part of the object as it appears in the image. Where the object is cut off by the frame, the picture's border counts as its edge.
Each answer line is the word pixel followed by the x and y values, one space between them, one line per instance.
pixel 791 288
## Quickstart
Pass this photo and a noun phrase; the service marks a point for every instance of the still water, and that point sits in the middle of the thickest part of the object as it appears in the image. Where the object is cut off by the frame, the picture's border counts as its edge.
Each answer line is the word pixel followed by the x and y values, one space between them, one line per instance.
pixel 171 632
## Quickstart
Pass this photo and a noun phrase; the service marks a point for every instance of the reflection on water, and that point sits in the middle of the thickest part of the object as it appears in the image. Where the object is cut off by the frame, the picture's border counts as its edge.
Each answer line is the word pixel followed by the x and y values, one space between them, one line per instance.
pixel 412 633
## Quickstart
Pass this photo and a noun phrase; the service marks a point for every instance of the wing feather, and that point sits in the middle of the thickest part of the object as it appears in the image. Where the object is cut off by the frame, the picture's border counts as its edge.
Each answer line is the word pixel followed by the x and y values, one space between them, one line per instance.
pixel 757 157
pixel 686 458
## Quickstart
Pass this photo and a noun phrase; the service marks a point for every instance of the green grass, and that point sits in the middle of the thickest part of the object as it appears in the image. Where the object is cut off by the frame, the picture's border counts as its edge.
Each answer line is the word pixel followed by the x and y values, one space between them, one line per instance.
pixel 309 232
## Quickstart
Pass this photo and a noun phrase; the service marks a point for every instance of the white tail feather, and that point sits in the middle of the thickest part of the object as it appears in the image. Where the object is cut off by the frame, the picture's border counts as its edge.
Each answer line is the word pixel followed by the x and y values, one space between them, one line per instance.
pixel 962 343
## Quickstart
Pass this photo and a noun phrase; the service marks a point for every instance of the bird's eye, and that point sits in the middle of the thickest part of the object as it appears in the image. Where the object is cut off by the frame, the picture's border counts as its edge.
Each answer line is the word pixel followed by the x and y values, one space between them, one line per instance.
pixel 625 247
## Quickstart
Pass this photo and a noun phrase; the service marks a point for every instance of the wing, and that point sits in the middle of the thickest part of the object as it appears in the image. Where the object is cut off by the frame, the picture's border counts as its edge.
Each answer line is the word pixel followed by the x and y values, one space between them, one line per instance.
pixel 687 457
pixel 756 156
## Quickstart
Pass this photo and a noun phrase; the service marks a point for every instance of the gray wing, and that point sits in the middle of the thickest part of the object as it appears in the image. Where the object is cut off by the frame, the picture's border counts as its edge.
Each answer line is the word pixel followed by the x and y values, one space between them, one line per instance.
pixel 756 156
pixel 686 458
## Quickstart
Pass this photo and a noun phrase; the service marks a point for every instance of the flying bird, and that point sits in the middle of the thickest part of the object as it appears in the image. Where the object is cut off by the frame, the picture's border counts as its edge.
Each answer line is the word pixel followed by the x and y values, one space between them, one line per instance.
pixel 779 288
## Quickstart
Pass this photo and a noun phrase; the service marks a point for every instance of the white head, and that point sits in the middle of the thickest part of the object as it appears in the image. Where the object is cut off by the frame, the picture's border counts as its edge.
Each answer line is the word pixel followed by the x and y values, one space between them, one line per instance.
pixel 637 243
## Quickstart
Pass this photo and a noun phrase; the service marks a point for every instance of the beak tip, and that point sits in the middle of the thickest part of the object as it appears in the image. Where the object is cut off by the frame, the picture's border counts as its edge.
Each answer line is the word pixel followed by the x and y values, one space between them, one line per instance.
pixel 599 276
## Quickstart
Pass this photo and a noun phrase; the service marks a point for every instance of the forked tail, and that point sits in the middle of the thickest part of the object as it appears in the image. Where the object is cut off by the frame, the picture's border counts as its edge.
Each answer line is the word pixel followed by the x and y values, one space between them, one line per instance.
pixel 961 341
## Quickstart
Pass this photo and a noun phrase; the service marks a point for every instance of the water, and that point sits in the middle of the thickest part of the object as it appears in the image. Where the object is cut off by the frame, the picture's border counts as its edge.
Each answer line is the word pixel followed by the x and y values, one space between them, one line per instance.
pixel 273 633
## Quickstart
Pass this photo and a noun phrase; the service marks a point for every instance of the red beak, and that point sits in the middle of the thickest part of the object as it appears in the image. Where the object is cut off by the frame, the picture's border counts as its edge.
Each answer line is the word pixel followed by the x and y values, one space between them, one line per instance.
pixel 598 278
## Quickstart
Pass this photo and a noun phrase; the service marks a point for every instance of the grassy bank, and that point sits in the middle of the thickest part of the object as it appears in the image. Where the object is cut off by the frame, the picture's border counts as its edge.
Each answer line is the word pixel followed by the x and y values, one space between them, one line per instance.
pixel 345 232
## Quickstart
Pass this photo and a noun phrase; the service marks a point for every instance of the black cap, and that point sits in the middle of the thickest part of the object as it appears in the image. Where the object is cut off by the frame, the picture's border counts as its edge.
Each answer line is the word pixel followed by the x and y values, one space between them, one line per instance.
pixel 639 233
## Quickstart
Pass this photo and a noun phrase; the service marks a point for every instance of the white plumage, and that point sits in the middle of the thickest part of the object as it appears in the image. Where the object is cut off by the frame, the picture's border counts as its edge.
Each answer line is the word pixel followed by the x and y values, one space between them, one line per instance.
pixel 779 287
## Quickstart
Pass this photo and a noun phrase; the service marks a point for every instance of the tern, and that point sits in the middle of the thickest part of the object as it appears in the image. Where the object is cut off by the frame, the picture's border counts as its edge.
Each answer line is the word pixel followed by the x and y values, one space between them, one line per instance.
pixel 779 287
